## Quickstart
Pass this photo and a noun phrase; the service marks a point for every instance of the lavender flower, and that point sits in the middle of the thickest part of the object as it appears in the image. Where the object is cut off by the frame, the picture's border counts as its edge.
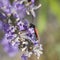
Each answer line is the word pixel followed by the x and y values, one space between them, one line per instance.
pixel 8 40
pixel 37 49
pixel 19 34
pixel 18 10
pixel 30 7
pixel 6 7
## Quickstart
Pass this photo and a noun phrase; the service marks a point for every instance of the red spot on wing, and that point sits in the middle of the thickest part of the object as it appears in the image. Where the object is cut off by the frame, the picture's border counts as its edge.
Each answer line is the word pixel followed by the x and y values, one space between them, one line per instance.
pixel 36 32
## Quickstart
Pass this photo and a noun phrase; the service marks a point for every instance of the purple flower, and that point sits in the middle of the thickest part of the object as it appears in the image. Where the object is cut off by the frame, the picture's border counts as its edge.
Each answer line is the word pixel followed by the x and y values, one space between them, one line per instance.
pixel 23 57
pixel 23 25
pixel 20 25
pixel 8 48
pixel 5 27
pixel 18 10
pixel 18 32
pixel 6 7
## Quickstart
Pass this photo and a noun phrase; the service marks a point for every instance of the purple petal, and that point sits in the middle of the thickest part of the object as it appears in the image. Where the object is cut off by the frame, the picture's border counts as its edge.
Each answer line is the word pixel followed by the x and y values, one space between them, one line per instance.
pixel 32 1
pixel 20 9
pixel 23 57
pixel 1 25
pixel 10 50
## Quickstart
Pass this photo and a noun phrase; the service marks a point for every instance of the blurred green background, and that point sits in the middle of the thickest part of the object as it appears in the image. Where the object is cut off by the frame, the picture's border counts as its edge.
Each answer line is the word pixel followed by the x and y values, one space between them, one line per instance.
pixel 48 25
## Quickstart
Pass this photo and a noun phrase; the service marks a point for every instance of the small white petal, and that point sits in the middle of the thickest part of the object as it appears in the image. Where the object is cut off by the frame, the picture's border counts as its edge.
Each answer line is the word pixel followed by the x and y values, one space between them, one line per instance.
pixel 17 39
pixel 28 13
pixel 37 57
pixel 13 43
pixel 37 7
pixel 33 13
pixel 9 21
pixel 41 47
pixel 40 52
pixel 17 19
pixel 25 43
pixel 23 49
